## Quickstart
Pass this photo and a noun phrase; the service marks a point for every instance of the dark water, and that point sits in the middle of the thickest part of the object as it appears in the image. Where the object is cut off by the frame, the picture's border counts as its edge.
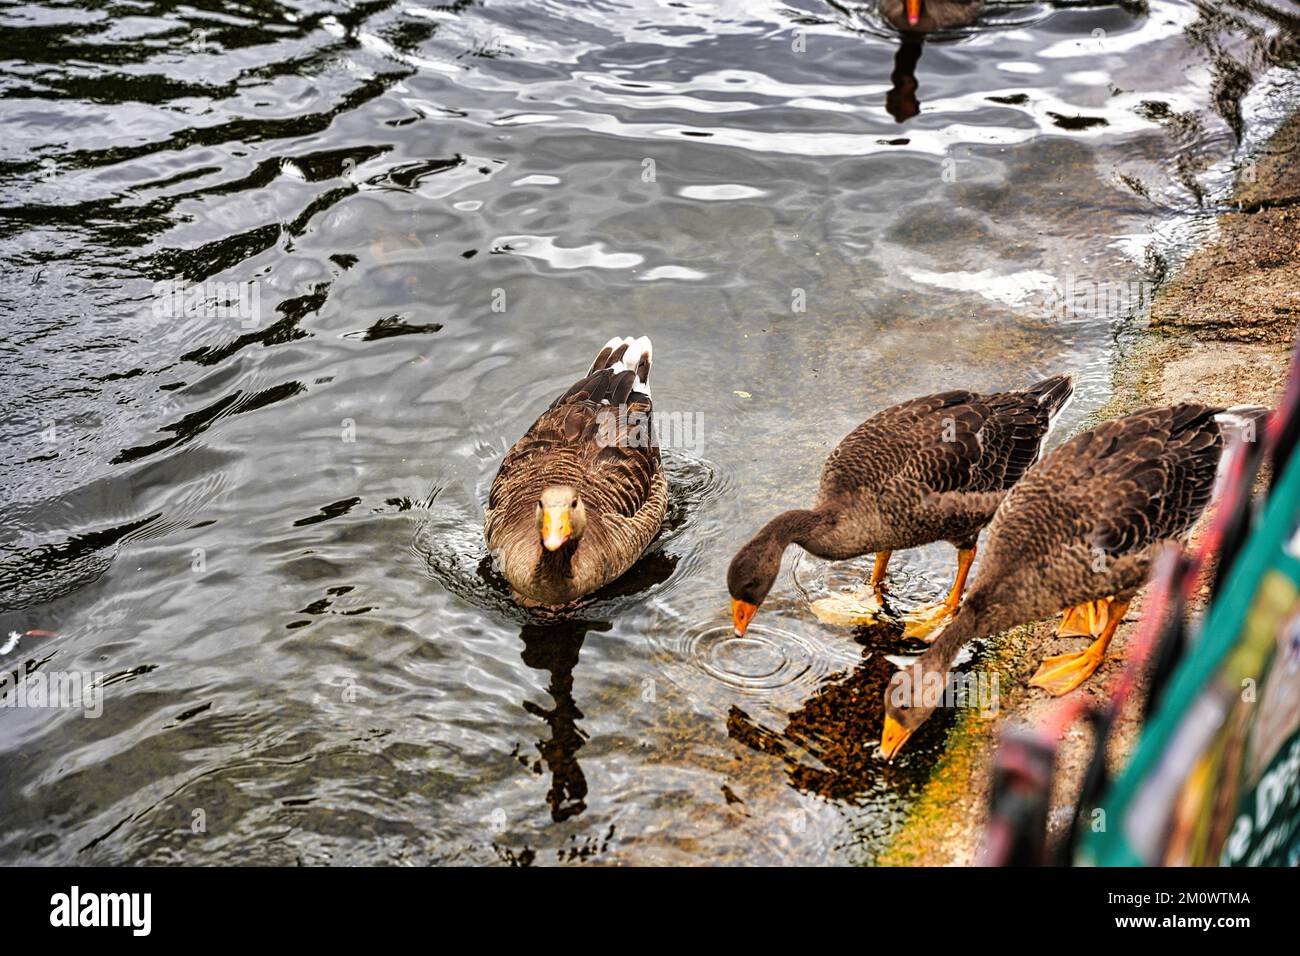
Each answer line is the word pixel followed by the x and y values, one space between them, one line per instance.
pixel 260 521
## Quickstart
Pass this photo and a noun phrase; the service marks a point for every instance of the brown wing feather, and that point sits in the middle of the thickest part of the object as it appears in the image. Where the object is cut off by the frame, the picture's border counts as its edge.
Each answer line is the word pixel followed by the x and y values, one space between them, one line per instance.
pixel 878 449
pixel 953 441
pixel 1155 478
pixel 624 473
pixel 1083 523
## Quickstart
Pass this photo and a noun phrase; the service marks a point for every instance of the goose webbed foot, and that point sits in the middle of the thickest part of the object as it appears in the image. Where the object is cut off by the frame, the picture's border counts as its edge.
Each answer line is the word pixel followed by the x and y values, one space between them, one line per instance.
pixel 864 607
pixel 1086 620
pixel 924 623
pixel 1062 673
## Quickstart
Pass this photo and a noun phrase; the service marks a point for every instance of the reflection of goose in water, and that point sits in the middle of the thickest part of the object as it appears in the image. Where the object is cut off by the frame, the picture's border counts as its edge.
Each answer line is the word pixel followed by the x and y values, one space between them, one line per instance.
pixel 901 101
pixel 555 649
pixel 915 17
pixel 926 16
pixel 828 743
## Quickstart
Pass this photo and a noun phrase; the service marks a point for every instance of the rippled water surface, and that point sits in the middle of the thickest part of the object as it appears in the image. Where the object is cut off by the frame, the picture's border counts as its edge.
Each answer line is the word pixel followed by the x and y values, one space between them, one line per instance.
pixel 255 509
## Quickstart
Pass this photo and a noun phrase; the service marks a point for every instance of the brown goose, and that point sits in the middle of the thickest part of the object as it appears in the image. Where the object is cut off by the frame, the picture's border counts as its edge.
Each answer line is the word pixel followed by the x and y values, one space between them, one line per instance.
pixel 582 494
pixel 926 16
pixel 930 469
pixel 1079 531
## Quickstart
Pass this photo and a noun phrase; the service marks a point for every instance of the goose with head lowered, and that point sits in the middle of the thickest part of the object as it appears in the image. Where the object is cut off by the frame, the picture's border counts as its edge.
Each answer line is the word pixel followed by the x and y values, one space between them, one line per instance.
pixel 930 469
pixel 1079 532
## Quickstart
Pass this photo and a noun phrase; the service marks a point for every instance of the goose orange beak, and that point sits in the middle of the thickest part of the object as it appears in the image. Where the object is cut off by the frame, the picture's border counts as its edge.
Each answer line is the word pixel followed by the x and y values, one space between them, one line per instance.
pixel 913 12
pixel 892 738
pixel 555 528
pixel 742 612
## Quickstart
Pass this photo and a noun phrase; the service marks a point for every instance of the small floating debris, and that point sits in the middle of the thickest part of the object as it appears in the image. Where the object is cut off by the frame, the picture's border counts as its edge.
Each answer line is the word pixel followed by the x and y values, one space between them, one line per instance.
pixel 390 326
pixel 14 637
pixel 721 192
pixel 1077 122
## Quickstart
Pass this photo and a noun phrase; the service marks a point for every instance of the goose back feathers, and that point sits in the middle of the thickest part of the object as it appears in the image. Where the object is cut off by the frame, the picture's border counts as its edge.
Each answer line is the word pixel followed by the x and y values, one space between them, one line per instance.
pixel 1086 522
pixel 1083 525
pixel 931 469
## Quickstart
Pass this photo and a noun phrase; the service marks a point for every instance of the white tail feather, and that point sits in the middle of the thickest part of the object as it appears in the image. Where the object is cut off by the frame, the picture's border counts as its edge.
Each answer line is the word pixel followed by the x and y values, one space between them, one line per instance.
pixel 1240 416
pixel 636 347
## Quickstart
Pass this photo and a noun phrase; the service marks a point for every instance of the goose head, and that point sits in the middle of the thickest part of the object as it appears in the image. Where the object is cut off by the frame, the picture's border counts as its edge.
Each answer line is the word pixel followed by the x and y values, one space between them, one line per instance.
pixel 751 575
pixel 917 691
pixel 907 707
pixel 561 516
pixel 754 569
